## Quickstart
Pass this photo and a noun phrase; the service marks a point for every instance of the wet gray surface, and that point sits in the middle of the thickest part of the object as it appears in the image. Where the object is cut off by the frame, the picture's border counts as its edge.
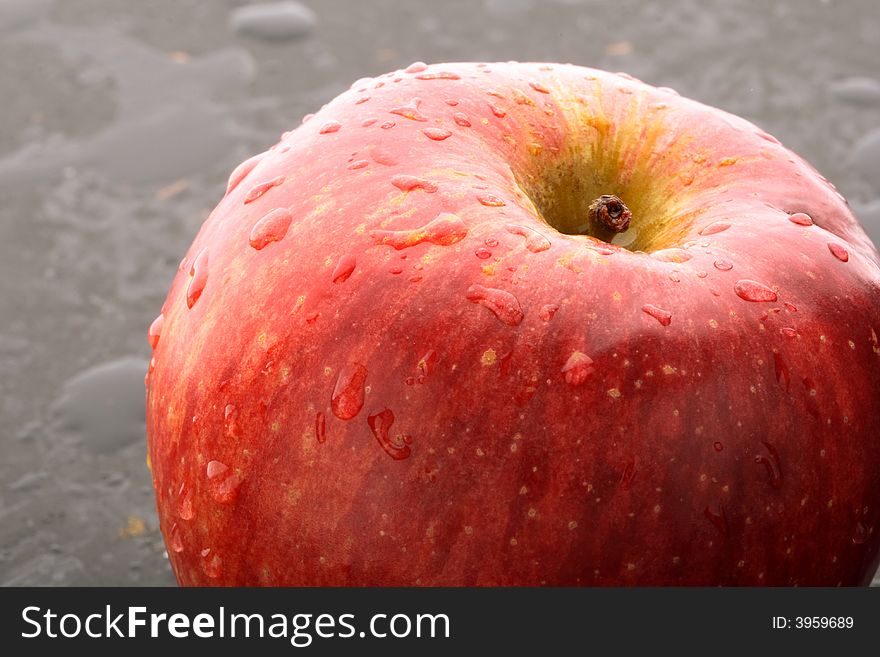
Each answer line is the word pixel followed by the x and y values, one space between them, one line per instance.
pixel 120 121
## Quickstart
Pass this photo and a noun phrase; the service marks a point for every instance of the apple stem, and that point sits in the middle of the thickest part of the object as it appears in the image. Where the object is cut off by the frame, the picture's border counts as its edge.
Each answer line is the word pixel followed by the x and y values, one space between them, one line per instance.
pixel 611 212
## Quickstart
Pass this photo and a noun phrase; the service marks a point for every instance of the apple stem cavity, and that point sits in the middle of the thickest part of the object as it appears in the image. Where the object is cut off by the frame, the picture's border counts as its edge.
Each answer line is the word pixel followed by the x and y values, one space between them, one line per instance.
pixel 612 213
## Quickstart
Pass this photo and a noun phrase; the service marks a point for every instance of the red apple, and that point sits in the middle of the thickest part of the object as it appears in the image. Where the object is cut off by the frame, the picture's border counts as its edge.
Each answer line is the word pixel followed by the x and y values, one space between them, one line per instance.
pixel 521 324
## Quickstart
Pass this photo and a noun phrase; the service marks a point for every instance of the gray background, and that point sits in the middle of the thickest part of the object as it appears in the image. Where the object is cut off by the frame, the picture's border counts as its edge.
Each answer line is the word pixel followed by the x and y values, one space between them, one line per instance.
pixel 120 121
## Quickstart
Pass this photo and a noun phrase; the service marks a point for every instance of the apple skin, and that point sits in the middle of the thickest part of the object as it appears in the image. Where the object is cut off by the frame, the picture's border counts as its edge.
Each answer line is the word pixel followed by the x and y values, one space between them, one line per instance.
pixel 521 406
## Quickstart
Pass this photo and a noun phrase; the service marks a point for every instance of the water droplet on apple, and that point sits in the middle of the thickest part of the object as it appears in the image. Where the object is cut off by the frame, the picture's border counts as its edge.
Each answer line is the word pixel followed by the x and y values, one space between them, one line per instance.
pixel 358 164
pixel 723 265
pixel 426 364
pixel 490 200
pixel 535 241
pixel 184 503
pixel 461 119
pixel 715 227
pixel 344 268
pixel 383 156
pixel 503 304
pixel 348 395
pixel 788 332
pixel 230 419
pixel 174 540
pixel 380 423
pixel 672 255
pixel 261 188
pixel 271 227
pixel 482 253
pixel 860 533
pixel 242 170
pixel 537 86
pixel 718 518
pixel 491 242
pixel 749 290
pixel 199 278
pixel 223 482
pixel 443 230
pixel 718 446
pixel 415 67
pixel 439 75
pixel 361 100
pixel 387 125
pixel 410 183
pixel 212 564
pixel 577 368
pixel 801 219
pixel 771 462
pixel 320 427
pixel 790 307
pixel 216 469
pixel 783 374
pixel 499 112
pixel 410 110
pixel 547 311
pixel 331 126
pixel 838 251
pixel 662 316
pixel 675 276
pixel 436 134
pixel 155 330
